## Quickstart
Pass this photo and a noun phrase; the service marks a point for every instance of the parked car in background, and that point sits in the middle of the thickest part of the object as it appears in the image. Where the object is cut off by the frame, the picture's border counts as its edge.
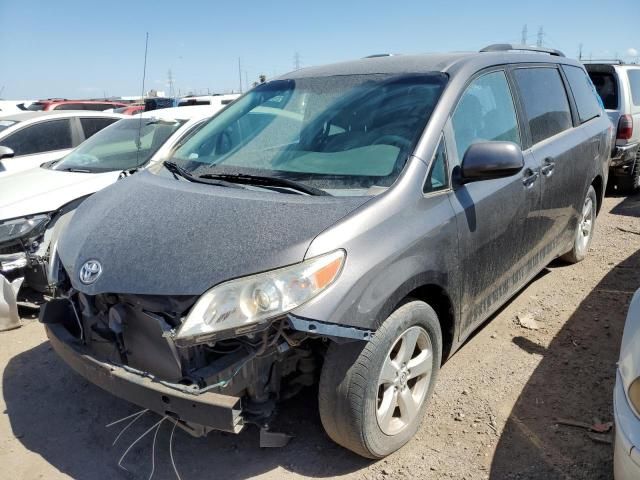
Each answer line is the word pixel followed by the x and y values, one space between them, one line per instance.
pixel 130 109
pixel 260 258
pixel 626 398
pixel 220 100
pixel 64 104
pixel 28 139
pixel 36 204
pixel 618 85
pixel 158 103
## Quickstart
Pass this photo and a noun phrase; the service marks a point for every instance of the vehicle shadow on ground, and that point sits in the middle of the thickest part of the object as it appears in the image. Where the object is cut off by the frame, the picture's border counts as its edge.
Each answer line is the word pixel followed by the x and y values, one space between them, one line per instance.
pixel 629 207
pixel 61 417
pixel 579 364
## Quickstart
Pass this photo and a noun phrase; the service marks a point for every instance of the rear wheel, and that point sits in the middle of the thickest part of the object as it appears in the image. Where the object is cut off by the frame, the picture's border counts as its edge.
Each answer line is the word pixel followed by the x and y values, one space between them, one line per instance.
pixel 629 184
pixel 372 396
pixel 584 229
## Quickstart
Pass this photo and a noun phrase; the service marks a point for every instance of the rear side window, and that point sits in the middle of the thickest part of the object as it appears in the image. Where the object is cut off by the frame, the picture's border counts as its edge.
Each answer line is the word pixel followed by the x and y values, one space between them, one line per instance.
pixel 607 88
pixel 485 112
pixel 545 102
pixel 583 93
pixel 68 106
pixel 40 138
pixel 97 107
pixel 634 82
pixel 94 125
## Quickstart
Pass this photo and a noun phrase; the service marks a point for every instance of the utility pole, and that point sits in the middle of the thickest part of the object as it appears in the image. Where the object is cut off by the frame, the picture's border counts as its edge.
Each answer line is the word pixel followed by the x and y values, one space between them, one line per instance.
pixel 580 51
pixel 540 37
pixel 240 74
pixel 296 61
pixel 170 82
pixel 523 39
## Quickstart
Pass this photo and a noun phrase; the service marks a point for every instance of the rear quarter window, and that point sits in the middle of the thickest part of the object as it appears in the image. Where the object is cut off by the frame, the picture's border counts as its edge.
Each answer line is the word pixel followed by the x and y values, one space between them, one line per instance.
pixel 607 87
pixel 583 92
pixel 634 83
pixel 545 101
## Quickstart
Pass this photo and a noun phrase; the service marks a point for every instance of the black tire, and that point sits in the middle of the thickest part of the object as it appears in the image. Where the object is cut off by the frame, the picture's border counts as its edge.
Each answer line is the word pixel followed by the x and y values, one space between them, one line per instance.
pixel 629 184
pixel 580 248
pixel 349 391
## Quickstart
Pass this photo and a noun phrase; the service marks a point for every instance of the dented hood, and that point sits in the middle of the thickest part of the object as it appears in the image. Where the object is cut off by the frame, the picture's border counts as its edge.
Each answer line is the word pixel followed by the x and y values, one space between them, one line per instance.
pixel 160 236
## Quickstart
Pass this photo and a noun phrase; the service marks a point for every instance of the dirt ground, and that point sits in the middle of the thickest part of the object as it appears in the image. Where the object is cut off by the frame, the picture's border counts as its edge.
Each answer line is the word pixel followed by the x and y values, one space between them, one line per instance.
pixel 494 413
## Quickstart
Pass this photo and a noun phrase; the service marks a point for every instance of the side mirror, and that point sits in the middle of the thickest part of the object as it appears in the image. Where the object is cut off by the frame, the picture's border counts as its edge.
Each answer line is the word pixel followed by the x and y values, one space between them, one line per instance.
pixel 6 152
pixel 487 160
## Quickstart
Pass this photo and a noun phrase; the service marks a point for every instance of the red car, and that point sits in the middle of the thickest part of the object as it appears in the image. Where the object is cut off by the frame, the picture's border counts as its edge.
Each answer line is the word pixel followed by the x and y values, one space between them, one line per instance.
pixel 64 104
pixel 130 109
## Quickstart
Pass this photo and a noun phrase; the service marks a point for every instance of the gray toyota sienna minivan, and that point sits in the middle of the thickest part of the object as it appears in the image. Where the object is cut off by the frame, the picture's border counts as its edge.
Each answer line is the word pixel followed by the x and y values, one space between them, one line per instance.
pixel 350 225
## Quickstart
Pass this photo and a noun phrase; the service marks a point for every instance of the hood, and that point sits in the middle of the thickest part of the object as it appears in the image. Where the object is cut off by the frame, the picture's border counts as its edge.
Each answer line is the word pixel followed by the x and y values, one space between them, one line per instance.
pixel 41 190
pixel 156 235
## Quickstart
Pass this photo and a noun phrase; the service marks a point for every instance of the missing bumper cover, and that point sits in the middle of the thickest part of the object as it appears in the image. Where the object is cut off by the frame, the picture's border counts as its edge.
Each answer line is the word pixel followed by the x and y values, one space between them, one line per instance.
pixel 220 412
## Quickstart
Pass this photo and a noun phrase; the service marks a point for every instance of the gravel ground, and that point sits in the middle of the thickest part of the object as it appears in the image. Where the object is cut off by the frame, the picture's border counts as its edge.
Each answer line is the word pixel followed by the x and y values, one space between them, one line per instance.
pixel 494 413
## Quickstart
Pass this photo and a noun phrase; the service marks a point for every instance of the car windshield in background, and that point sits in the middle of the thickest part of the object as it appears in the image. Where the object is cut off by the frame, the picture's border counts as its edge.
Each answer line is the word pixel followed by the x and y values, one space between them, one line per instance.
pixel 36 107
pixel 6 124
pixel 343 134
pixel 125 145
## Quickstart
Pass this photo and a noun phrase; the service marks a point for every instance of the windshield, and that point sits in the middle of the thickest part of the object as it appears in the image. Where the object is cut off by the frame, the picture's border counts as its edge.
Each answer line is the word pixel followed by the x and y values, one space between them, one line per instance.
pixel 6 124
pixel 125 145
pixel 344 134
pixel 36 107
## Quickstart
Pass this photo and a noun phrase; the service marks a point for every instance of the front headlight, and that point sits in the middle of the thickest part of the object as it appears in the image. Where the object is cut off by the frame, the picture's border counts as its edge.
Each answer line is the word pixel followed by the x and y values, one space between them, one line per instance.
pixel 241 304
pixel 634 395
pixel 20 227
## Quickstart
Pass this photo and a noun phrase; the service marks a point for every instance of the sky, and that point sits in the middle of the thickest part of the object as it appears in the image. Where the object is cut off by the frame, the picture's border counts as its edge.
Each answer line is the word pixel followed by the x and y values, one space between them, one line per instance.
pixel 92 48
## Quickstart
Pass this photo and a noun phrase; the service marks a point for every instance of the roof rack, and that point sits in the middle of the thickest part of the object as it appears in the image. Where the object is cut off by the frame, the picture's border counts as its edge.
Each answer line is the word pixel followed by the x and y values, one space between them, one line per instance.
pixel 378 55
pixel 505 47
pixel 617 61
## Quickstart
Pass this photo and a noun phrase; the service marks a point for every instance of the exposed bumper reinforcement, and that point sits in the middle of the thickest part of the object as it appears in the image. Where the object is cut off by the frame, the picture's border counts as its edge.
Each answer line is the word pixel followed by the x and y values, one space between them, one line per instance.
pixel 220 412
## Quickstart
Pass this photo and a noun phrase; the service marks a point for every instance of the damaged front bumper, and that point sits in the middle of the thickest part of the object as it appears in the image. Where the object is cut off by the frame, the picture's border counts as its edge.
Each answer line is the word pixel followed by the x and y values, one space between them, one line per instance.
pixel 210 409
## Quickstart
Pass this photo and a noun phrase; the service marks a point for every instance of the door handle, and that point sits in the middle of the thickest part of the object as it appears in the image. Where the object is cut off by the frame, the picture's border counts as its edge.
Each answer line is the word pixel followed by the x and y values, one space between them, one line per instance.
pixel 530 177
pixel 547 168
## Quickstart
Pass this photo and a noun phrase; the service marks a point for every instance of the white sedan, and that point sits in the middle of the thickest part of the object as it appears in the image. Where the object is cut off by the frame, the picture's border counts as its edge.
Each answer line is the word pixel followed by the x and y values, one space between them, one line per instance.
pixel 28 139
pixel 626 398
pixel 36 204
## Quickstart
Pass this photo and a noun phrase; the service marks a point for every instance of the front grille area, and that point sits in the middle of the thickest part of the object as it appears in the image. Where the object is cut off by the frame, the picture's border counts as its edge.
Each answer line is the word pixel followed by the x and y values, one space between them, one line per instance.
pixel 11 248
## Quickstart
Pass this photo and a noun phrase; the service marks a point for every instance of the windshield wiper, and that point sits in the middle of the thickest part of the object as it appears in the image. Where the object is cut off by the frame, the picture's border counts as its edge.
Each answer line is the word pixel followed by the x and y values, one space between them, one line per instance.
pixel 178 171
pixel 265 181
pixel 75 170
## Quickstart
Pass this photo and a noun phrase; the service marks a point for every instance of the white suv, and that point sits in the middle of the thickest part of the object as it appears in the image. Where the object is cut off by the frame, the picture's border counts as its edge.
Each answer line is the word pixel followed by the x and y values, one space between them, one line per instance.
pixel 618 85
pixel 29 139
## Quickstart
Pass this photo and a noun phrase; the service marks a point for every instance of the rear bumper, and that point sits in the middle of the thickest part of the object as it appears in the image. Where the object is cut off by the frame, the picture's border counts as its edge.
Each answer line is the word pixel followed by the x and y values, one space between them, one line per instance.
pixel 219 412
pixel 624 156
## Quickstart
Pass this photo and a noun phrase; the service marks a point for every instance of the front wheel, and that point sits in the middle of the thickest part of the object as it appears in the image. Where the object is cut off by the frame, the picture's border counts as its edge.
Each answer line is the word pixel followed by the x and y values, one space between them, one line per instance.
pixel 372 396
pixel 584 230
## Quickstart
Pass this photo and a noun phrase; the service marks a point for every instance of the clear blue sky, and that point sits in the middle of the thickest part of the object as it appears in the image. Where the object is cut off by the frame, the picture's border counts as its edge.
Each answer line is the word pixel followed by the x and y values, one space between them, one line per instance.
pixel 82 48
